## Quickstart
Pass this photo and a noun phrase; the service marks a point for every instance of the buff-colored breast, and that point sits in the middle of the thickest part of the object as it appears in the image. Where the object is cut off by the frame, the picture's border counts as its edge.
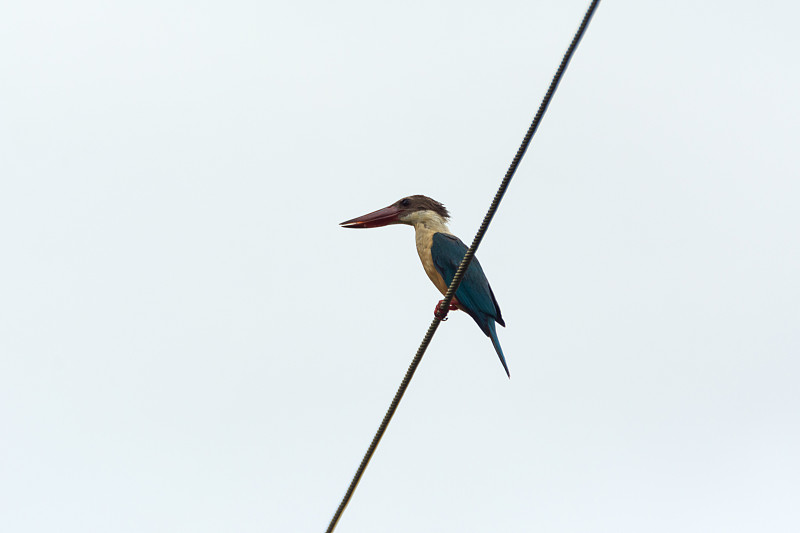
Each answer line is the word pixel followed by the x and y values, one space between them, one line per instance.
pixel 424 239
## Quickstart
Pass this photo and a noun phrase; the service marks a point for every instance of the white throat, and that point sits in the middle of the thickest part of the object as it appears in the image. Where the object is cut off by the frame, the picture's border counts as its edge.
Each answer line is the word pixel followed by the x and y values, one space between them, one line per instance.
pixel 426 222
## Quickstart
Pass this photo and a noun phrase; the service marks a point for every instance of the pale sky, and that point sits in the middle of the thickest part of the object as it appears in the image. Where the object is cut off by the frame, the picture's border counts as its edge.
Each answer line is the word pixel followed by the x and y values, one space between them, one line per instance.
pixel 190 343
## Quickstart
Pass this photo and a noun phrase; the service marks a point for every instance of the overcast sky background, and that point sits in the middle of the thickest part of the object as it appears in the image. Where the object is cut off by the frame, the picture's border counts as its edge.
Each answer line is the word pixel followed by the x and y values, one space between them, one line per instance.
pixel 189 342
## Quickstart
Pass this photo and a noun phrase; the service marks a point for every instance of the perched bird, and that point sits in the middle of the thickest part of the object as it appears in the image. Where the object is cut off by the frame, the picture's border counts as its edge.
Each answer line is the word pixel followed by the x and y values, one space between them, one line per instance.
pixel 441 253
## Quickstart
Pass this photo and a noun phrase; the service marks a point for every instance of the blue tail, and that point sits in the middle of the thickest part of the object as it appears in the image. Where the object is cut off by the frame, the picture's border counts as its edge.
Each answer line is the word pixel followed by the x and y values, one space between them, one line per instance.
pixel 496 342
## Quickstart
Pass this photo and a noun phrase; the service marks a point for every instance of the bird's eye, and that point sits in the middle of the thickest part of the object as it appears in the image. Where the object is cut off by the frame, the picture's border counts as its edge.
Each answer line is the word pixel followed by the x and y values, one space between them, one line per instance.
pixel 405 202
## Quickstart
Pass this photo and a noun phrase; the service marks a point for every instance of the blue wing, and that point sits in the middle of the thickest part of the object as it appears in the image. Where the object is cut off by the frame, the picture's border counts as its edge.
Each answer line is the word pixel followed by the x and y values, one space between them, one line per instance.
pixel 474 294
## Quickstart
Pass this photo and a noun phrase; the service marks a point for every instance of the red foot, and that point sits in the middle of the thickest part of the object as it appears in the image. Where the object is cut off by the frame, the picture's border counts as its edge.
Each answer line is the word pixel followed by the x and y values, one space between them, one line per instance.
pixel 442 315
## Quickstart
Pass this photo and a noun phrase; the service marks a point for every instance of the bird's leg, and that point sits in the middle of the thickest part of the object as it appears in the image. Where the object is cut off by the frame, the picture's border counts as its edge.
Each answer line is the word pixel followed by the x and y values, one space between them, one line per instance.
pixel 442 315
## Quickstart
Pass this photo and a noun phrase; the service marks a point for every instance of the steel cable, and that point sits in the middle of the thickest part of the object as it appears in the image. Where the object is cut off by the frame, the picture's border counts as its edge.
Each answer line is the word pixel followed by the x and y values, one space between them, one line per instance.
pixel 445 303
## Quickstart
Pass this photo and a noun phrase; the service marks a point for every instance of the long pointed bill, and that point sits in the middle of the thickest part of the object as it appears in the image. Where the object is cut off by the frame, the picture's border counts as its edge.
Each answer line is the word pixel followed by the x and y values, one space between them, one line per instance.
pixel 376 219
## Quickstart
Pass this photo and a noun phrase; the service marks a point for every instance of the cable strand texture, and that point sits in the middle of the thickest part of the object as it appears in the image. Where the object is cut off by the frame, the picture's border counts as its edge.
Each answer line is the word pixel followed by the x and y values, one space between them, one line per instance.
pixel 412 368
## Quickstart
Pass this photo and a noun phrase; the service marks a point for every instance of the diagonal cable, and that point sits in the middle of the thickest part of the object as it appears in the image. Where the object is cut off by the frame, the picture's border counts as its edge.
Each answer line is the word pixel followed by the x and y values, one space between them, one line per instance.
pixel 451 291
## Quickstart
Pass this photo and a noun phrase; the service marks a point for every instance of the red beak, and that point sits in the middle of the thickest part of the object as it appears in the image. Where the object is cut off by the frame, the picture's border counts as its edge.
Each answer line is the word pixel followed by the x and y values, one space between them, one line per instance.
pixel 376 219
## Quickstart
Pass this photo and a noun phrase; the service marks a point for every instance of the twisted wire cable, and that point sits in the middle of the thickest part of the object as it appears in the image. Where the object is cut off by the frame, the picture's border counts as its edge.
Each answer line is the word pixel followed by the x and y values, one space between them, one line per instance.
pixel 451 291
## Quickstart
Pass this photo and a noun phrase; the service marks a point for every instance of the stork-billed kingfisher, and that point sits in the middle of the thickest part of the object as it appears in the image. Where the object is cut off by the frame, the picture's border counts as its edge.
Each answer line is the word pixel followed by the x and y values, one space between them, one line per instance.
pixel 441 253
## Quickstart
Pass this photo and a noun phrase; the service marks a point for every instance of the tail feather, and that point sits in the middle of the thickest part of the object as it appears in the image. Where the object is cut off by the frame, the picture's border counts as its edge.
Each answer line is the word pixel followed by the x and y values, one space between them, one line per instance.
pixel 496 343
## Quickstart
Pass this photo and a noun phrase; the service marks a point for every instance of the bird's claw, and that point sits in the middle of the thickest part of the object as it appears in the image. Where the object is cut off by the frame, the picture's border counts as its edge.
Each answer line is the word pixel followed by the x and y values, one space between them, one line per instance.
pixel 442 315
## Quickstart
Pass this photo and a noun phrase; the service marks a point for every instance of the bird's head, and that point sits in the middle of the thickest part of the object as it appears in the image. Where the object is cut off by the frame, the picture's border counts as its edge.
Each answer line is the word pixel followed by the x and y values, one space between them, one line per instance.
pixel 409 210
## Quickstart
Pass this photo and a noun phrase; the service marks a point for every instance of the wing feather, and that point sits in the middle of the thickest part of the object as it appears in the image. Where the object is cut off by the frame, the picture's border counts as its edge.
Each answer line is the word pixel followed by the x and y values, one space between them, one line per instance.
pixel 474 293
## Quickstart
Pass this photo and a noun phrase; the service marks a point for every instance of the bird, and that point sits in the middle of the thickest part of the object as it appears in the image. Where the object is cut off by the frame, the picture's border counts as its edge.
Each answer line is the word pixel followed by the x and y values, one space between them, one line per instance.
pixel 441 253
